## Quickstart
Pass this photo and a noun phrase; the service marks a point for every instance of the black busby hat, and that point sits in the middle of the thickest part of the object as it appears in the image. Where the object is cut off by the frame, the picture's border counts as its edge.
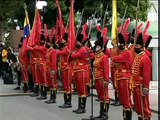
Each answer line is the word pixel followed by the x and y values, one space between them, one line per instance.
pixel 53 40
pixel 120 38
pixel 140 39
pixel 47 39
pixel 99 42
pixel 132 36
pixel 65 38
pixel 98 34
pixel 143 39
pixel 79 37
pixel 42 37
pixel 124 38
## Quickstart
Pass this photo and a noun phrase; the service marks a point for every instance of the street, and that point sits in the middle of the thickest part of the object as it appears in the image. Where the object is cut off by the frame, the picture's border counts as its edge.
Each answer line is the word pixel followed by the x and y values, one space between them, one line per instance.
pixel 29 108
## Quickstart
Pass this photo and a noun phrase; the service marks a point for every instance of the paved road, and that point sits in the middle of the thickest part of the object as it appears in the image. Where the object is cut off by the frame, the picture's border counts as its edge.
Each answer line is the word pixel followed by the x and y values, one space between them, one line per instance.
pixel 28 108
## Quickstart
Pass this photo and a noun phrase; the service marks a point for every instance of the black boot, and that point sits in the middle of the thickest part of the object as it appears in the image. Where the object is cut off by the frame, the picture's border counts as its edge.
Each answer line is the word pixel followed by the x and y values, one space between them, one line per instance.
pixel 127 114
pixel 101 111
pixel 43 95
pixel 52 98
pixel 65 101
pixel 117 102
pixel 140 118
pixel 36 91
pixel 25 87
pixel 79 103
pixel 82 106
pixel 105 112
pixel 88 90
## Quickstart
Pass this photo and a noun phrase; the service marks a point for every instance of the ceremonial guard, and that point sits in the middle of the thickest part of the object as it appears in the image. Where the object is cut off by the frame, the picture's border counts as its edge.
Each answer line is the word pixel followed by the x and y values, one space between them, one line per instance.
pixel 79 74
pixel 51 70
pixel 23 65
pixel 41 66
pixel 123 73
pixel 101 74
pixel 114 52
pixel 65 68
pixel 141 77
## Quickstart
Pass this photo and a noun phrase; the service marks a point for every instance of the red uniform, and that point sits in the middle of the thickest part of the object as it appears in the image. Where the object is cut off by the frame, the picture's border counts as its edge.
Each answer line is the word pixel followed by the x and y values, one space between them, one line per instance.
pixel 41 64
pixel 123 78
pixel 80 67
pixel 113 65
pixel 90 56
pixel 23 59
pixel 101 73
pixel 65 68
pixel 33 61
pixel 141 76
pixel 133 54
pixel 51 69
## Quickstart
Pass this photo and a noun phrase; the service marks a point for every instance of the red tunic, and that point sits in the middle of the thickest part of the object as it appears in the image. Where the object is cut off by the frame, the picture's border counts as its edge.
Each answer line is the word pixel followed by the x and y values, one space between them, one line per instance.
pixel 141 76
pixel 41 64
pixel 101 74
pixel 51 68
pixel 80 70
pixel 113 52
pixel 123 75
pixel 32 63
pixel 65 68
pixel 24 62
pixel 90 56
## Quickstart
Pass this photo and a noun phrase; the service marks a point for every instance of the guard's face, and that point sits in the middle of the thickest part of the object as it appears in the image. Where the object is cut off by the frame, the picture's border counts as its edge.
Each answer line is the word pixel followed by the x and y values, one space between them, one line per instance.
pixel 138 48
pixel 98 48
pixel 121 46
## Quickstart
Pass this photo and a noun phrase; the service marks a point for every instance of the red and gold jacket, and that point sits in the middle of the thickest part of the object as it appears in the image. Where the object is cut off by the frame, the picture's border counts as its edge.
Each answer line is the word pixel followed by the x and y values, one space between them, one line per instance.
pixel 32 55
pixel 64 58
pixel 113 52
pixel 80 59
pixel 141 70
pixel 123 60
pixel 41 53
pixel 101 66
pixel 131 49
pixel 51 60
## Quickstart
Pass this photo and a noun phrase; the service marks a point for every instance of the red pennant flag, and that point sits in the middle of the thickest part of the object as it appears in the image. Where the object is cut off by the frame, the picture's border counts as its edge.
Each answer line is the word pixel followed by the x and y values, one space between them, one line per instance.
pixel 60 23
pixel 71 30
pixel 36 30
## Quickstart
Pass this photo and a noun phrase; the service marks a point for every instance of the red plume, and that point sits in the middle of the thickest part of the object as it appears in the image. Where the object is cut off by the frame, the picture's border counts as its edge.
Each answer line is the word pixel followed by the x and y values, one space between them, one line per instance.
pixel 126 25
pixel 104 32
pixel 98 28
pixel 147 27
pixel 84 32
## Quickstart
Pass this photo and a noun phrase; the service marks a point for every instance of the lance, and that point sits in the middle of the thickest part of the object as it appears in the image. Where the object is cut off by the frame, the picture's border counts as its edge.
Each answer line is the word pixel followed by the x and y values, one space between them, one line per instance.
pixel 137 13
pixel 122 23
pixel 80 24
pixel 142 106
pixel 92 23
pixel 104 19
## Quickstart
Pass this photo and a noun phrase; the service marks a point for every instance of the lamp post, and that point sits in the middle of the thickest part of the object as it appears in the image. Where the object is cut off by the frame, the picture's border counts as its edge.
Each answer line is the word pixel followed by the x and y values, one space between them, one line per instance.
pixel 19 26
pixel 41 6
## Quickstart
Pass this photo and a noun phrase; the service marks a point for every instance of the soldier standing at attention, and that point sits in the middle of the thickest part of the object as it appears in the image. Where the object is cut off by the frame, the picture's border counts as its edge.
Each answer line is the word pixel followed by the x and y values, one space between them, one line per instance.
pixel 141 77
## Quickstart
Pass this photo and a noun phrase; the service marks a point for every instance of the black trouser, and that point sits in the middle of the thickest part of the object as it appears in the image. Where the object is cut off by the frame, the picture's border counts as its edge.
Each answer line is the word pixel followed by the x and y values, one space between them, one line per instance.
pixel 19 77
pixel 31 82
pixel 5 68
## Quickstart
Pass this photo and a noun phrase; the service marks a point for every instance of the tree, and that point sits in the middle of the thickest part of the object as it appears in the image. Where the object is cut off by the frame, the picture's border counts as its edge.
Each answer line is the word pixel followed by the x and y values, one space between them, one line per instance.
pixel 90 6
pixel 7 9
